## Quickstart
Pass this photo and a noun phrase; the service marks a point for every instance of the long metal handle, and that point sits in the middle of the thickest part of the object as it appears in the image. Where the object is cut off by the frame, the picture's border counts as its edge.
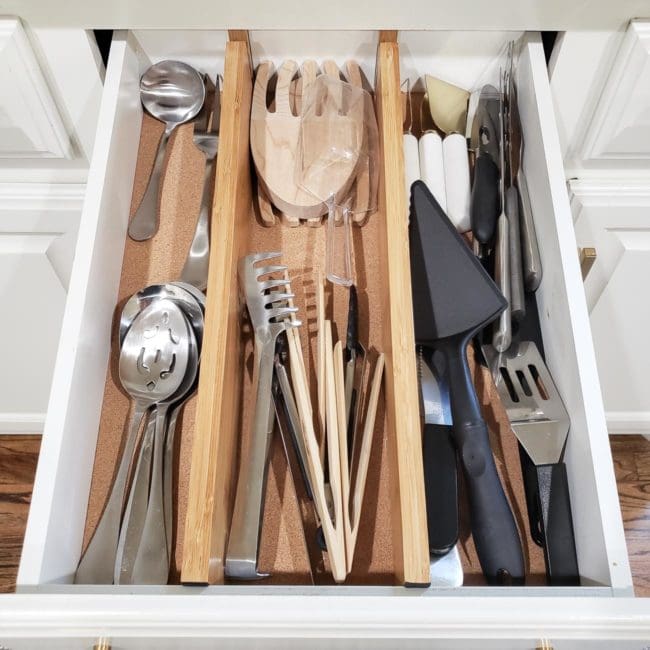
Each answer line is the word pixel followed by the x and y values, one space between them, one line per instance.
pixel 530 248
pixel 502 337
pixel 168 475
pixel 151 565
pixel 144 223
pixel 243 545
pixel 195 270
pixel 518 301
pixel 97 563
pixel 136 509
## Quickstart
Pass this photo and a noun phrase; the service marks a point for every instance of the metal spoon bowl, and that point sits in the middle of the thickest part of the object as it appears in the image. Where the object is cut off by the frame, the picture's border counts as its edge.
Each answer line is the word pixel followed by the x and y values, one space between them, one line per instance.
pixel 172 92
pixel 189 299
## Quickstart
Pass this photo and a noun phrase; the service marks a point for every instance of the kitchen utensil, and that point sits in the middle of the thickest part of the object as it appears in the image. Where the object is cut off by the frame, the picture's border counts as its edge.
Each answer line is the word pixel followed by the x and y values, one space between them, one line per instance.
pixel 439 456
pixel 411 160
pixel 457 185
pixel 267 310
pixel 485 201
pixel 532 264
pixel 172 92
pixel 432 166
pixel 338 119
pixel 135 511
pixel 512 150
pixel 453 299
pixel 541 423
pixel 448 105
pixel 167 321
pixel 274 140
pixel 285 402
pixel 195 269
pixel 187 297
pixel 502 336
pixel 355 354
pixel 332 523
pixel 192 302
pixel 152 366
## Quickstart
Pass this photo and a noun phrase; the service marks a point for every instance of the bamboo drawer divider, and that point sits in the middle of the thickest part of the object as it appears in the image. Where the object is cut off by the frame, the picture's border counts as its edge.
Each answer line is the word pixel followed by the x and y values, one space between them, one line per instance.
pixel 214 457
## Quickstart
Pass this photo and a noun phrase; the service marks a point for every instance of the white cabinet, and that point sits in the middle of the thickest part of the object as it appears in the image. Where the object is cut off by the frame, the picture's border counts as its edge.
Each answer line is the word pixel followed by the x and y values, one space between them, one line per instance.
pixel 601 91
pixel 614 218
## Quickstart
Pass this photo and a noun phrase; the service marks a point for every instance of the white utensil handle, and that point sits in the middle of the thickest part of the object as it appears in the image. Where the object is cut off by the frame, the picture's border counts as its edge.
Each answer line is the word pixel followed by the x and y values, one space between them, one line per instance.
pixel 411 162
pixel 457 187
pixel 432 170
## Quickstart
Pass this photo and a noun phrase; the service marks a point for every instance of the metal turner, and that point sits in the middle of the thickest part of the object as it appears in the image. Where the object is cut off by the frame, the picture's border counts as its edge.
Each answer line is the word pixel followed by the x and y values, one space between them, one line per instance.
pixel 541 423
pixel 268 307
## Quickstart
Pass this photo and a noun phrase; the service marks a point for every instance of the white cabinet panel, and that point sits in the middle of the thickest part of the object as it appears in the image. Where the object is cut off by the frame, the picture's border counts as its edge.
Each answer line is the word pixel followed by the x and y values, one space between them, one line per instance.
pixel 615 219
pixel 38 226
pixel 30 123
pixel 620 128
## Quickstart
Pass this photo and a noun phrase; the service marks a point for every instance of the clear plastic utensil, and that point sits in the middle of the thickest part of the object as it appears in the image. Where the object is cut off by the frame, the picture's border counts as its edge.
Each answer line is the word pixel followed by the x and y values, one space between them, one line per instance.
pixel 334 149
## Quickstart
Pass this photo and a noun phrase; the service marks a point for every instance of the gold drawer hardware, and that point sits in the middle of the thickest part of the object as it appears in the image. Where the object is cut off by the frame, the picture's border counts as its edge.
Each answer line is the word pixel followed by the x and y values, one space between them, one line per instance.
pixel 102 644
pixel 544 645
pixel 587 258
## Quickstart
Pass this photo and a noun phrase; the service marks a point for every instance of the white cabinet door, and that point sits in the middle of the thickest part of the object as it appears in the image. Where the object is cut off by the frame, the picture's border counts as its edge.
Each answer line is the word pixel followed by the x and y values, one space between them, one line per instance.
pixel 614 218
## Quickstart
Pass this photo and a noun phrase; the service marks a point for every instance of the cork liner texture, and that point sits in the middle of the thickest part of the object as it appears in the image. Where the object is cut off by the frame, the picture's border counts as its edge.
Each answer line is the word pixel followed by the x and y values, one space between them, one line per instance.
pixel 287 552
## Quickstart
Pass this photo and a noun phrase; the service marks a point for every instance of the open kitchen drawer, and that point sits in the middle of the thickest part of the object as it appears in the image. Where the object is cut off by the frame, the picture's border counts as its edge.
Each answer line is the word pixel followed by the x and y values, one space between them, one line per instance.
pixel 63 615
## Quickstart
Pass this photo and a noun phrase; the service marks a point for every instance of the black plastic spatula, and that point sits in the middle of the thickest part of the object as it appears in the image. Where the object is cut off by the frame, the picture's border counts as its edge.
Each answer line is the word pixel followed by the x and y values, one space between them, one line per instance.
pixel 454 298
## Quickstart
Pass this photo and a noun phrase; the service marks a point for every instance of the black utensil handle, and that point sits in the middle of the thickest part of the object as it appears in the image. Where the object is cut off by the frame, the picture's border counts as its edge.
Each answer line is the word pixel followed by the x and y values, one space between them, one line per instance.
pixel 493 524
pixel 555 506
pixel 485 204
pixel 441 487
pixel 529 475
pixel 352 338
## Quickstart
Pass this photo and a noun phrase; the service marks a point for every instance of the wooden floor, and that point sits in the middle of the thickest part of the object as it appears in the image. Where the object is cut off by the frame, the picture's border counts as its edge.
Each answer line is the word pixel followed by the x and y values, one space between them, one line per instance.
pixel 18 456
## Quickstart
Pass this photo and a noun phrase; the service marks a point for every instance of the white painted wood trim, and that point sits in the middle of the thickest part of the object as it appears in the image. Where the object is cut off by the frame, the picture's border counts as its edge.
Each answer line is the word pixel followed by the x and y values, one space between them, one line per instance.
pixel 43 119
pixel 337 14
pixel 21 423
pixel 264 620
pixel 634 422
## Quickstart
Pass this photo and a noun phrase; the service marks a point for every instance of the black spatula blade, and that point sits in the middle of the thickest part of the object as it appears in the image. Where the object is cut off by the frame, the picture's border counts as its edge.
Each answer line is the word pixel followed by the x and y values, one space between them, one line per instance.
pixel 452 292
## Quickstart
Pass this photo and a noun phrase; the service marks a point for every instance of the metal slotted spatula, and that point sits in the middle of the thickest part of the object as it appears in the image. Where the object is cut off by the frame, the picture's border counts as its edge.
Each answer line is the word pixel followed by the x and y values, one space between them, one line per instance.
pixel 541 423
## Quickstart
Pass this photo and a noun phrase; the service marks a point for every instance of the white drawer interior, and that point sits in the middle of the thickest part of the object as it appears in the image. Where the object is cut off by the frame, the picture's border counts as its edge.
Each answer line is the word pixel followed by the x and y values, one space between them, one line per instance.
pixel 55 528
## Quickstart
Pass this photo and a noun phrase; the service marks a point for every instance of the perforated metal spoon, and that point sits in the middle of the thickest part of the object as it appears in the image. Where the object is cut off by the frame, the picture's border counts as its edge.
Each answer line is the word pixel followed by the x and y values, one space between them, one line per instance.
pixel 152 365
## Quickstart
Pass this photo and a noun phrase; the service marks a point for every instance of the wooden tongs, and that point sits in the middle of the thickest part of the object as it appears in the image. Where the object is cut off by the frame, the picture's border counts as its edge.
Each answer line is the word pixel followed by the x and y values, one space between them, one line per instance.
pixel 338 505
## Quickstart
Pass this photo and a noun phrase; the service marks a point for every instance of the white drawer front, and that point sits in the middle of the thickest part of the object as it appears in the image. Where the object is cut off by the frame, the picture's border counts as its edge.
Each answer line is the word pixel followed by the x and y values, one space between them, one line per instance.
pixel 55 529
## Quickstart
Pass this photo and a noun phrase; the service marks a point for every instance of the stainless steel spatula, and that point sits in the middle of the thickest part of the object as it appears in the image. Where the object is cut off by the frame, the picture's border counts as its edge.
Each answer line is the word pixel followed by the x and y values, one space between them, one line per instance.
pixel 541 423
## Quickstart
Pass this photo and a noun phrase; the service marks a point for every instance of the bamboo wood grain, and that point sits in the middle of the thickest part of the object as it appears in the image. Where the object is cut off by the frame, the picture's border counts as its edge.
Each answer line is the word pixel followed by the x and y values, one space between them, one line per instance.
pixel 359 487
pixel 218 406
pixel 403 418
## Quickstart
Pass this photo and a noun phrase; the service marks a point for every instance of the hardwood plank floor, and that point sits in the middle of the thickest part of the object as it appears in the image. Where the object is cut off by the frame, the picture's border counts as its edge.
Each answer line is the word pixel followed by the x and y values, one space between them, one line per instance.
pixel 19 455
pixel 632 466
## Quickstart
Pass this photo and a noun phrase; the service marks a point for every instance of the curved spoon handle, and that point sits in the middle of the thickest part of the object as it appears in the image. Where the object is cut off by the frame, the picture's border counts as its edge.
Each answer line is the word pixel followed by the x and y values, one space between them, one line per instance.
pixel 195 270
pixel 151 564
pixel 144 224
pixel 136 509
pixel 98 562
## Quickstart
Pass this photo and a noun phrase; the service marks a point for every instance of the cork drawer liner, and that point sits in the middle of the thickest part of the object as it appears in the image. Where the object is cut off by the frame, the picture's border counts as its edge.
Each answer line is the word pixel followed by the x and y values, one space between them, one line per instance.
pixel 283 553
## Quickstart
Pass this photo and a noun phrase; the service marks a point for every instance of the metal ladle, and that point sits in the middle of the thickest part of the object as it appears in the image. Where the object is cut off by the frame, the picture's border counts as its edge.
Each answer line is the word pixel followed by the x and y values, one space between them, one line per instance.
pixel 152 366
pixel 172 92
